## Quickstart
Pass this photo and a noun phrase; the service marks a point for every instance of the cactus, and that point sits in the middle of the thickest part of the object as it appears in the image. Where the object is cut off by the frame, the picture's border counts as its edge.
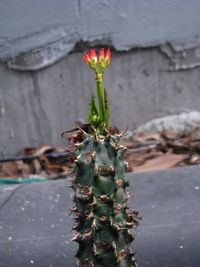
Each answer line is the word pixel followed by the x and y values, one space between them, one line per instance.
pixel 103 220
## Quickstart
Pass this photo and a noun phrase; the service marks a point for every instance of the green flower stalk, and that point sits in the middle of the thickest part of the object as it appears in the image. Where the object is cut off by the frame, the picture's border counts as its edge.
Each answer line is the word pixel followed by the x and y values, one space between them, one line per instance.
pixel 103 219
pixel 99 118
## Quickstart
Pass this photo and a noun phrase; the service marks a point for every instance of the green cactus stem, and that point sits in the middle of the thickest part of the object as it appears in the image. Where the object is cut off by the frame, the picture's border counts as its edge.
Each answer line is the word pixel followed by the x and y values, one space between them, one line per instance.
pixel 100 96
pixel 103 220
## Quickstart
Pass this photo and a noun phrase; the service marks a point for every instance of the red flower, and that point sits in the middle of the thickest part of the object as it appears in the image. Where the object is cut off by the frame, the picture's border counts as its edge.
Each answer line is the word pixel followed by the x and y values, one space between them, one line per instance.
pixel 93 55
pixel 72 138
pixel 108 56
pixel 86 57
pixel 101 54
pixel 95 62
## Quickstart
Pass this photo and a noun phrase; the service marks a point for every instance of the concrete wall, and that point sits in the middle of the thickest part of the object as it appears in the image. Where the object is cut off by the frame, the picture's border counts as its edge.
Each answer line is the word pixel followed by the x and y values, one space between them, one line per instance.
pixel 53 28
pixel 44 85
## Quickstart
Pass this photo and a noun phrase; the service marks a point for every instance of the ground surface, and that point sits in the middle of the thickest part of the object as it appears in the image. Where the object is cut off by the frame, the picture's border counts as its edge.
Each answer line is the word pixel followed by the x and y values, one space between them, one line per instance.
pixel 35 225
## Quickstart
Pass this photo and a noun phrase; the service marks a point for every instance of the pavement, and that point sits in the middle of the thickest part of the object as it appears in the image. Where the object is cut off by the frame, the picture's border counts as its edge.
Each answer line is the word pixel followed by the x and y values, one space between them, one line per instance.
pixel 35 222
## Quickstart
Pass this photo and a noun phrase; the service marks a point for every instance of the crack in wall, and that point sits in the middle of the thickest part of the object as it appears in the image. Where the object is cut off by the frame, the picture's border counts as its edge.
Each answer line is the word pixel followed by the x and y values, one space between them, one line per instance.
pixel 79 7
pixel 41 119
pixel 2 106
pixel 181 58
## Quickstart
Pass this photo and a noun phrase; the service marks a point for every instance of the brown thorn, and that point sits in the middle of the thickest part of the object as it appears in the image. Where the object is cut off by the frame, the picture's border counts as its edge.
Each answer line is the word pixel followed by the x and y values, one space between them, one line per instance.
pixel 123 133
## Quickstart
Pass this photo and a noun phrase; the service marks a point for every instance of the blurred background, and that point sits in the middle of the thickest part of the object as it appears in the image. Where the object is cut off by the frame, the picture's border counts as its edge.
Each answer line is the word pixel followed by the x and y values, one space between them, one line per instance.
pixel 45 86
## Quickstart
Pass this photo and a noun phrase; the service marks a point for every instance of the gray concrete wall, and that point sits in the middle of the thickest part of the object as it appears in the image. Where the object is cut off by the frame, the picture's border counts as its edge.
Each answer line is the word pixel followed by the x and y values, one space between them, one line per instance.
pixel 157 75
pixel 52 28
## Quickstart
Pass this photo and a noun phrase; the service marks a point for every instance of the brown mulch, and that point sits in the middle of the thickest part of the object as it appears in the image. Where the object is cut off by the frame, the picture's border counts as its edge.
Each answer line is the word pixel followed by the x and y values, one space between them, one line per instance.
pixel 147 152
pixel 46 161
pixel 163 151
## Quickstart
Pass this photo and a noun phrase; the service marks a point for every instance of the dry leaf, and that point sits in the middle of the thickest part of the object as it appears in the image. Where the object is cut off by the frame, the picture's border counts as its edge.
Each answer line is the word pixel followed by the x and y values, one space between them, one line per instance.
pixel 169 135
pixel 142 138
pixel 8 169
pixel 165 161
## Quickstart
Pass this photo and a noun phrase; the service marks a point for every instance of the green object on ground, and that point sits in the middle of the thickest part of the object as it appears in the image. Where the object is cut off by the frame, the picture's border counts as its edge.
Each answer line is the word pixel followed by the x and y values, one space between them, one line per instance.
pixel 6 181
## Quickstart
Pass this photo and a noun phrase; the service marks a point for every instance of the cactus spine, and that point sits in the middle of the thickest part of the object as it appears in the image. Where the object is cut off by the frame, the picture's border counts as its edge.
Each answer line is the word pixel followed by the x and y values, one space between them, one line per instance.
pixel 103 220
